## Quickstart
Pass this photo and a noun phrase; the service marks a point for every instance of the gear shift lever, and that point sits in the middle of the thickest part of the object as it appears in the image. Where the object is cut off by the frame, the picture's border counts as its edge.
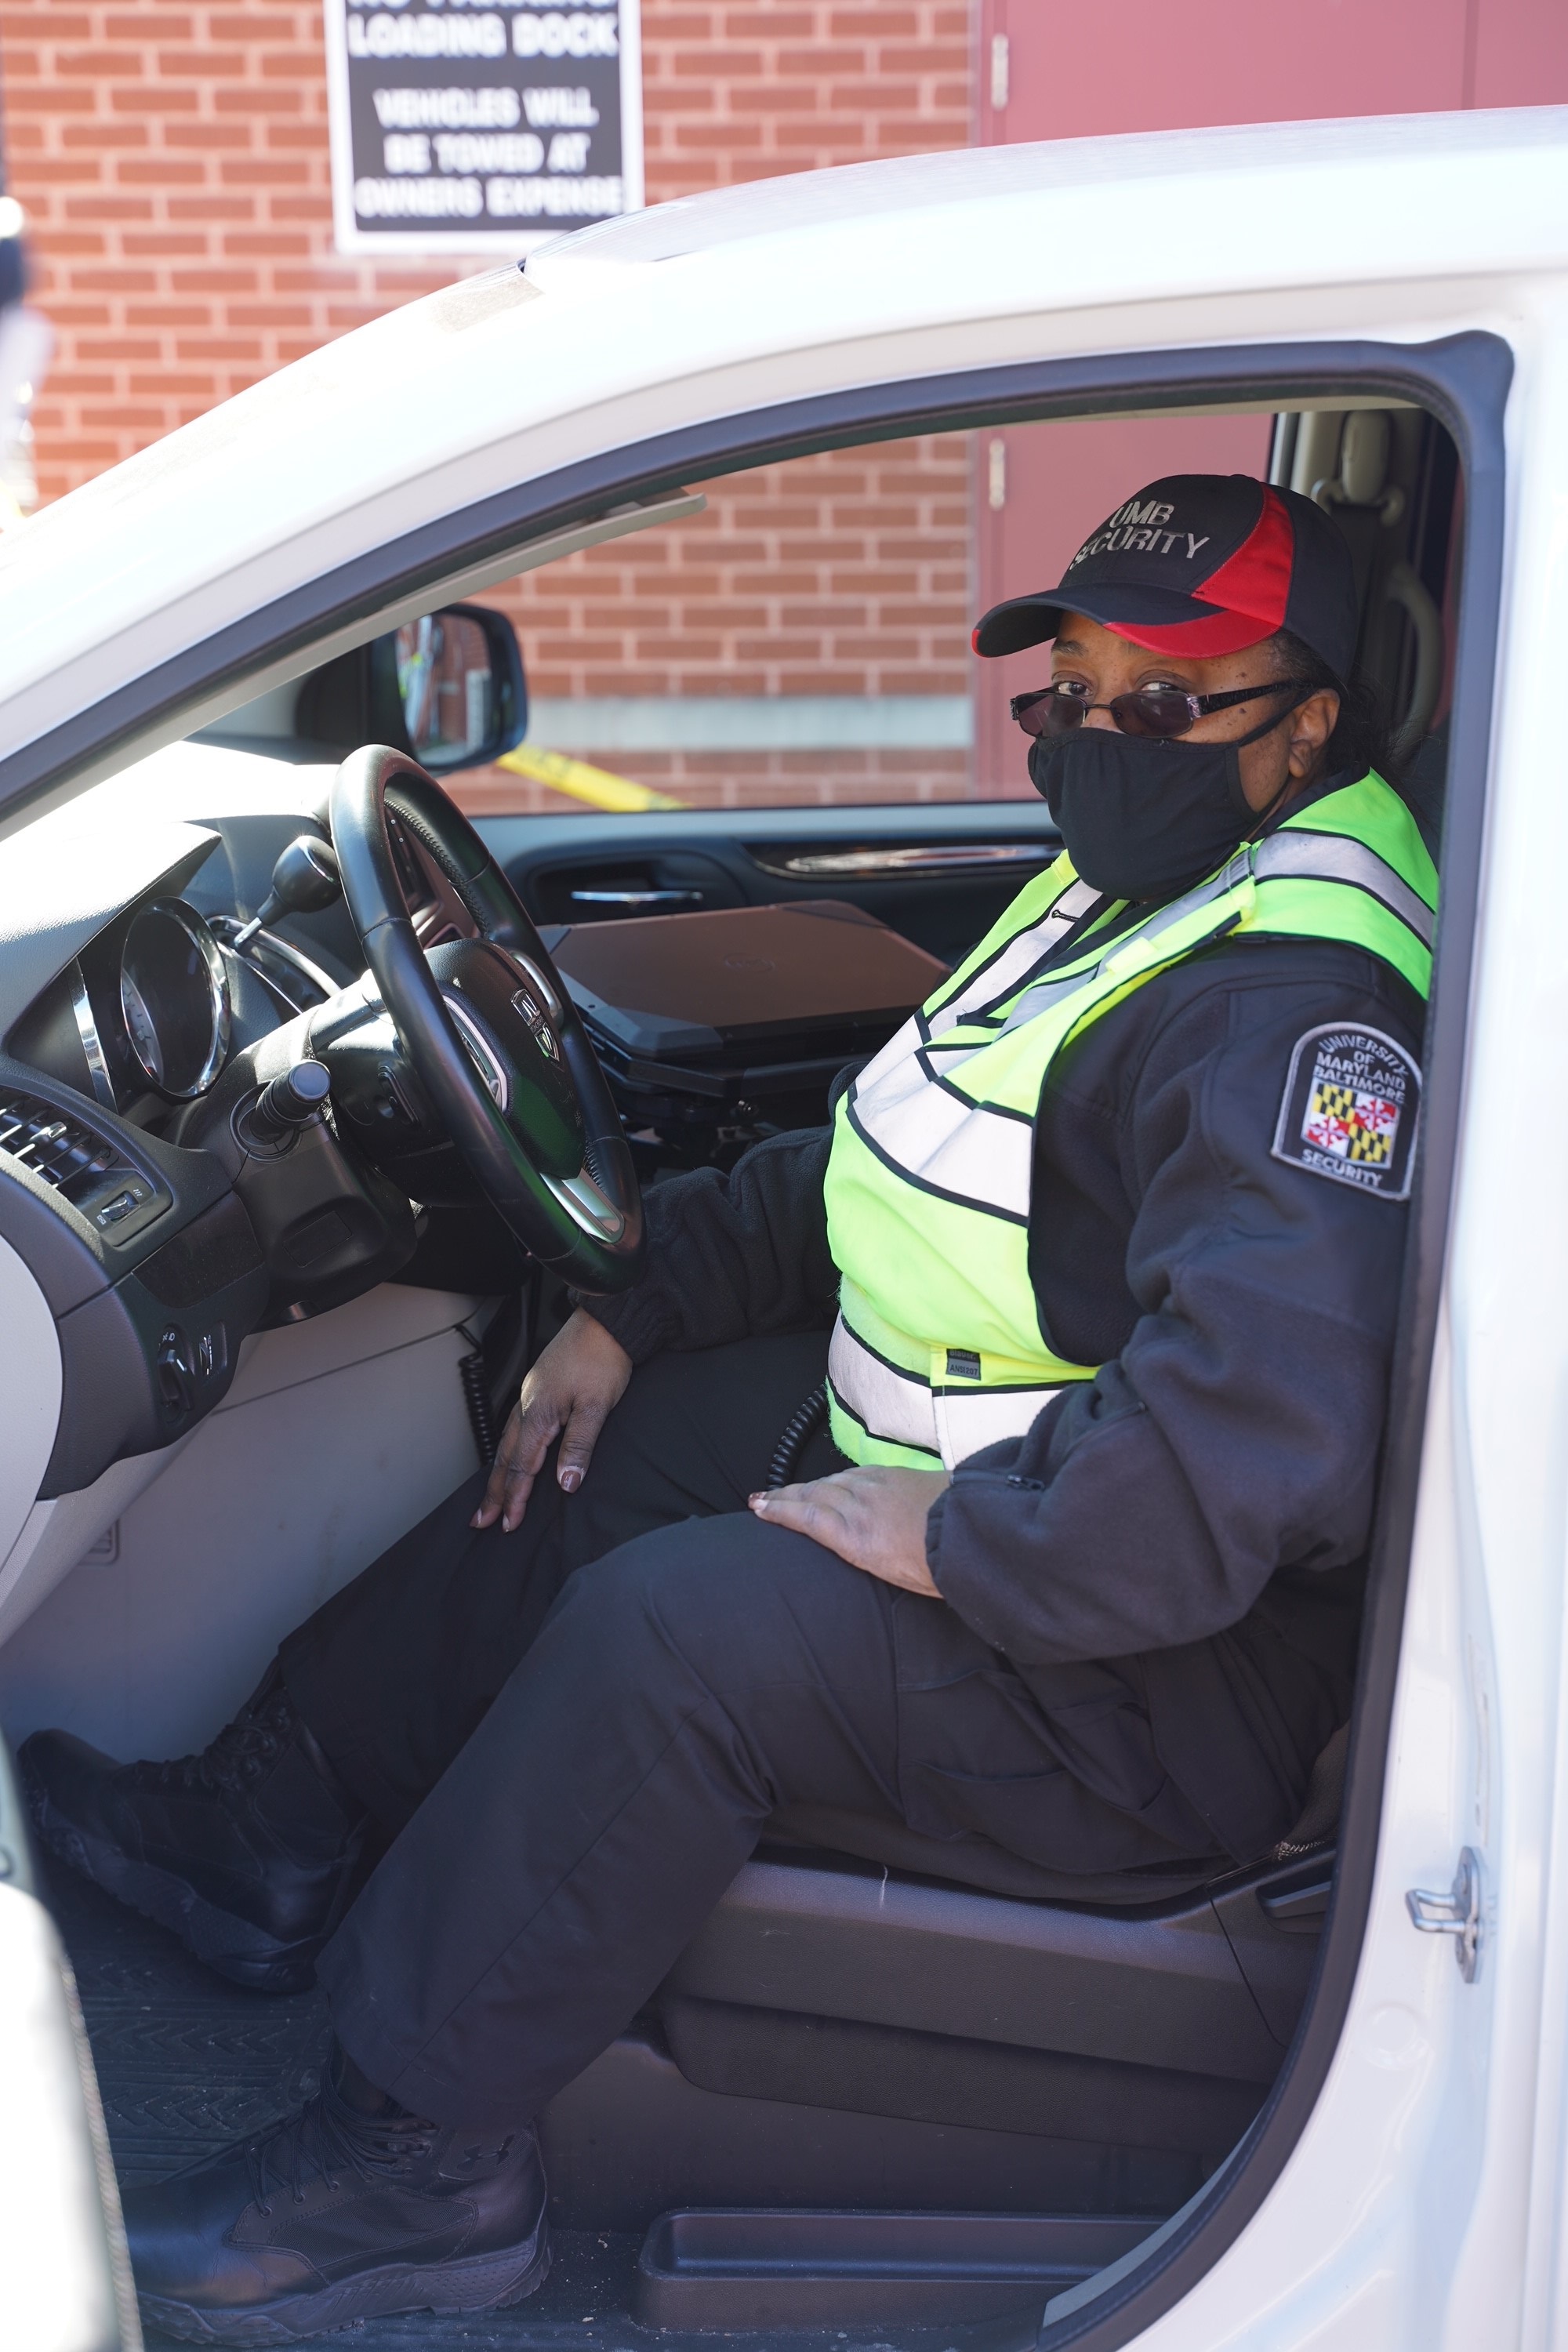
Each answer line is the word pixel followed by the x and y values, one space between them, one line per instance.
pixel 305 877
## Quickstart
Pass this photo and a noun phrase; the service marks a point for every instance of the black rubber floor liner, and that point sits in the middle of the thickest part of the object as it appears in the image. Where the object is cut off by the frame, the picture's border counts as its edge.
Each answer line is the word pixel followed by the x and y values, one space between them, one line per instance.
pixel 186 2064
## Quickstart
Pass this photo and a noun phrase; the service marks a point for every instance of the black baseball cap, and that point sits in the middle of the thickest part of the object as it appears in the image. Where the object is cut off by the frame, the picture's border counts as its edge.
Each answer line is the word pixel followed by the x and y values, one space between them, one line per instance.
pixel 1200 564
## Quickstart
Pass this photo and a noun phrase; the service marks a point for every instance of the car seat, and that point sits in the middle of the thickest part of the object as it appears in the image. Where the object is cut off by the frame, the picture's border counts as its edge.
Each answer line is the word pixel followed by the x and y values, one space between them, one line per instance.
pixel 870 2017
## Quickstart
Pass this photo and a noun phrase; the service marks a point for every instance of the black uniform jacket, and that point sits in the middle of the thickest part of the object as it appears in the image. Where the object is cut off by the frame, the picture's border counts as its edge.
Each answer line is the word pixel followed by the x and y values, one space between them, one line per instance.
pixel 1200 1508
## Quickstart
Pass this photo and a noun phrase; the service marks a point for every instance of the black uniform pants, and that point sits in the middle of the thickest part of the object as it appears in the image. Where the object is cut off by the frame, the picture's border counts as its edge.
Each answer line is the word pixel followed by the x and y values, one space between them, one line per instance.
pixel 572 1736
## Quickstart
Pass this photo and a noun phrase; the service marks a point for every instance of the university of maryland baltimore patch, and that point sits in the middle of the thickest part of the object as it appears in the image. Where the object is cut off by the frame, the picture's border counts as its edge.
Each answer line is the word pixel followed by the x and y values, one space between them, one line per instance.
pixel 1353 1100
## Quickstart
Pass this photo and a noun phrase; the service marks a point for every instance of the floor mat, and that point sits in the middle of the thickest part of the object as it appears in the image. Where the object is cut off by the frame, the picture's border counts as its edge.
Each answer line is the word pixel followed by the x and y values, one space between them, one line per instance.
pixel 186 2064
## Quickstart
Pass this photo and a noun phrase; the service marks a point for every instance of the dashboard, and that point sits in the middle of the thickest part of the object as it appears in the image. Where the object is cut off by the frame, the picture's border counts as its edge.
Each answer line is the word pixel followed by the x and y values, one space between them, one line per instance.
pixel 158 1237
pixel 142 1014
pixel 146 1017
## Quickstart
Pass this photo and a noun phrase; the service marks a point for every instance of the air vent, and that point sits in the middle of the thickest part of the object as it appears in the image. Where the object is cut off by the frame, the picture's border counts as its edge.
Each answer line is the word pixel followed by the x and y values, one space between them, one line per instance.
pixel 85 1168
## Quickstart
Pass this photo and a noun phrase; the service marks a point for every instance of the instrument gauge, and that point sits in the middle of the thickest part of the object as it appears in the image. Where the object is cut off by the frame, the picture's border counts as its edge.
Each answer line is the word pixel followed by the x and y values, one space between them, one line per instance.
pixel 174 995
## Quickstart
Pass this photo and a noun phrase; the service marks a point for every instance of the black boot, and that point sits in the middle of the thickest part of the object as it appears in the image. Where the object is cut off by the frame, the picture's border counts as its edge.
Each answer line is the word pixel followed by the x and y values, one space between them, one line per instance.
pixel 247 1853
pixel 352 2210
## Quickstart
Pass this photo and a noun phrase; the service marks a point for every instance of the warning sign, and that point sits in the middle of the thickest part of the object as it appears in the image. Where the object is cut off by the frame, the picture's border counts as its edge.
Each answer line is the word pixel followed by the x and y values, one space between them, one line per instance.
pixel 459 125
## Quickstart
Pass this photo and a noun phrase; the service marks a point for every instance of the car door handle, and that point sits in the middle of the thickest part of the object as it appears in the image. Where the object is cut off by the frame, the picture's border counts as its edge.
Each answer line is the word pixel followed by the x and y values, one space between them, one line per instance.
pixel 636 898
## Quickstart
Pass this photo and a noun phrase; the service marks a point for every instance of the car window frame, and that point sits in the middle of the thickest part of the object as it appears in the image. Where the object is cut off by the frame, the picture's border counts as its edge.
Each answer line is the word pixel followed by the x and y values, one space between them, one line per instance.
pixel 1464 380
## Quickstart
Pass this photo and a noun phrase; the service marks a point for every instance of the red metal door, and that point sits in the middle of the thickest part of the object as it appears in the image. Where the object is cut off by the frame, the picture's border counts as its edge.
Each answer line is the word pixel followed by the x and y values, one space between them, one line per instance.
pixel 1053 70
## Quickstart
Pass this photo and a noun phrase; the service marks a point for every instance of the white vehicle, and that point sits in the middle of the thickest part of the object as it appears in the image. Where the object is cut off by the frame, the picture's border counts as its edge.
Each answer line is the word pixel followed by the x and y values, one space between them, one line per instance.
pixel 1324 2101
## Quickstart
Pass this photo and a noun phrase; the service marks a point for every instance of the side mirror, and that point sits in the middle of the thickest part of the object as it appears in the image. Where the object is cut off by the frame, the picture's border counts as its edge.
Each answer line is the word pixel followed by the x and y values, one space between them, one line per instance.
pixel 460 686
pixel 448 689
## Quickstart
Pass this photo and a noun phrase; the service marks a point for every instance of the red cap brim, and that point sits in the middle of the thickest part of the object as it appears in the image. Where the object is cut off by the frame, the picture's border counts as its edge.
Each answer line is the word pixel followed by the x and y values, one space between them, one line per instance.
pixel 1216 633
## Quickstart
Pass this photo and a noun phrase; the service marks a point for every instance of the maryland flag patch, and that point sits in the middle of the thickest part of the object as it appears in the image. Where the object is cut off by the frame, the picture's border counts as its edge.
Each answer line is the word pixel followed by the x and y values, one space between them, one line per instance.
pixel 1351 1105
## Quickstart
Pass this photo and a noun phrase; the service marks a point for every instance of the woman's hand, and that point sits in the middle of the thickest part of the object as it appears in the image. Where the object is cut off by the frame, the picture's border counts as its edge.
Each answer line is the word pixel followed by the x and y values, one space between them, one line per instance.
pixel 570 1393
pixel 876 1519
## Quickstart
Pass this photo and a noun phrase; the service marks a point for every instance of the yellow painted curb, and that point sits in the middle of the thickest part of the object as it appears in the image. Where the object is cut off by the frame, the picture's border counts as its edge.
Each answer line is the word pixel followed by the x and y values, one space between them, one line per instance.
pixel 598 786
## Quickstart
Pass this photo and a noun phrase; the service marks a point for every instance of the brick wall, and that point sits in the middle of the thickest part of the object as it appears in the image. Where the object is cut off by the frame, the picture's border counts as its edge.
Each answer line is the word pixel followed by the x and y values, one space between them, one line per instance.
pixel 840 574
pixel 847 574
pixel 740 93
pixel 173 160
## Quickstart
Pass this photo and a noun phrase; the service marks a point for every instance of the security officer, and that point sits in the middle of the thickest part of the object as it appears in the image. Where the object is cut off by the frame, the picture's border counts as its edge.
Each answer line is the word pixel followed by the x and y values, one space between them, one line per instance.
pixel 1108 1237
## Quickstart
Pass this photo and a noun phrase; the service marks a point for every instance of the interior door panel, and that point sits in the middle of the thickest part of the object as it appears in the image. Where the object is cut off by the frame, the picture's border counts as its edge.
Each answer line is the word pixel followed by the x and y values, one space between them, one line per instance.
pixel 940 875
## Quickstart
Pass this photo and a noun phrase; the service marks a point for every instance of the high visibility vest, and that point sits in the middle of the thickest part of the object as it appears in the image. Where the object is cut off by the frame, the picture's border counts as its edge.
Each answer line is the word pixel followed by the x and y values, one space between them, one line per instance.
pixel 938 1350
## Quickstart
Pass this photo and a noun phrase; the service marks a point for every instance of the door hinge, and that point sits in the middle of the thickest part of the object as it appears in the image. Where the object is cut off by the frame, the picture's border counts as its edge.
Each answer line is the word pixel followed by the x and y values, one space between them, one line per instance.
pixel 1000 61
pixel 1456 1914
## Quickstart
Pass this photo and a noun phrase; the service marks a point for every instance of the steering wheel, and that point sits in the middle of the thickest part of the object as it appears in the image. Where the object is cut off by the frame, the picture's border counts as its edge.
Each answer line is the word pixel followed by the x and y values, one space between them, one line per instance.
pixel 492 1035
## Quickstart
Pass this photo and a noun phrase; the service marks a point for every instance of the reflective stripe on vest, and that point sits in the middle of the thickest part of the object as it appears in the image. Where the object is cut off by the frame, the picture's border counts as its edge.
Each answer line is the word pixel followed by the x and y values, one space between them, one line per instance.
pixel 938 1350
pixel 898 1408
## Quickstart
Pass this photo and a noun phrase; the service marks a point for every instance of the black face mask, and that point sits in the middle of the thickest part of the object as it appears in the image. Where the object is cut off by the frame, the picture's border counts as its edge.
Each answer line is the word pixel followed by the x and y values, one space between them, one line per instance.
pixel 1142 817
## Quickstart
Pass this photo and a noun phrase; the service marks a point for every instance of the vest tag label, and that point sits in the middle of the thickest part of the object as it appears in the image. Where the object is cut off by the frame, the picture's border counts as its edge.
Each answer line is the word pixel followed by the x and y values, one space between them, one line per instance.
pixel 1351 1106
pixel 963 1364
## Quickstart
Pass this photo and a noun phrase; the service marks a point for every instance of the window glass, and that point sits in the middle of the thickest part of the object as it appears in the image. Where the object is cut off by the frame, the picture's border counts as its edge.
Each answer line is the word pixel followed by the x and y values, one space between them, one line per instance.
pixel 805 639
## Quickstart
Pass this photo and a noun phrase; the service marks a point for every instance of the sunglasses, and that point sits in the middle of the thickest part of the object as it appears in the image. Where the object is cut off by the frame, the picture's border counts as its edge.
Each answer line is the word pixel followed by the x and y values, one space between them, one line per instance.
pixel 1163 710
